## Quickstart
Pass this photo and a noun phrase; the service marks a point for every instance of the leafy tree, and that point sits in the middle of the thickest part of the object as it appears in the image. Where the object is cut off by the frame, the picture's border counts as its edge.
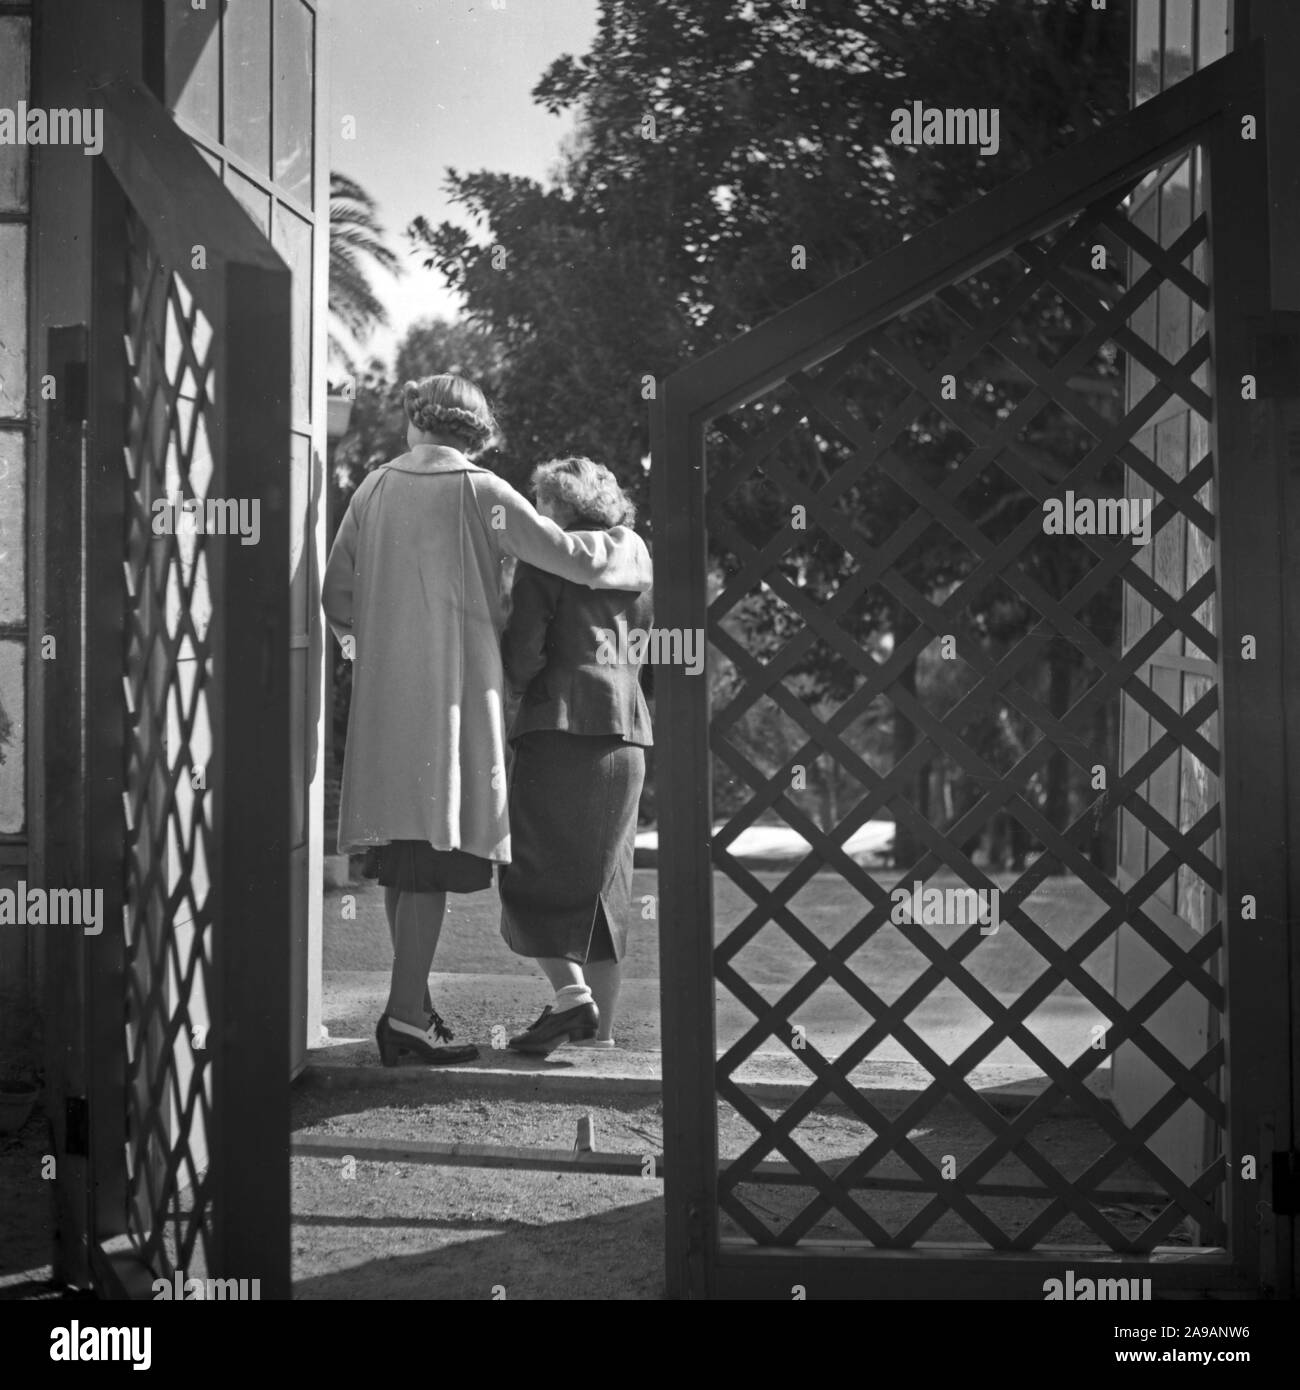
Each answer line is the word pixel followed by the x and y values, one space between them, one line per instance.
pixel 716 138
pixel 377 429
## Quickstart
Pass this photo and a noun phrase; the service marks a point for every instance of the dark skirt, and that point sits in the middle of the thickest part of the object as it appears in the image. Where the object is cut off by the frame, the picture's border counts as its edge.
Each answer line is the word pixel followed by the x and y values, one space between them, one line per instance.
pixel 567 891
pixel 414 866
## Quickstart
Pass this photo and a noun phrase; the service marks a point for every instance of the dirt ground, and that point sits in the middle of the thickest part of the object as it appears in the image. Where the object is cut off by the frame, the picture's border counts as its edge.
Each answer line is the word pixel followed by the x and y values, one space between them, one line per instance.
pixel 26 1200
pixel 400 1230
pixel 413 1231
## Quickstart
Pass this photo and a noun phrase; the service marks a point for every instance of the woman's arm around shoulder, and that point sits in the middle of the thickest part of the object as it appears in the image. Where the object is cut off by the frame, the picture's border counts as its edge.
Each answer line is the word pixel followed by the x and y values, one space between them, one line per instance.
pixel 614 559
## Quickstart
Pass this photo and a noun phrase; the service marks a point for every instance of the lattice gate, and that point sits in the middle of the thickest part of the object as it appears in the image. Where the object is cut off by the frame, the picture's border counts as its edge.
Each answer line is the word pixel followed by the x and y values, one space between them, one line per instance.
pixel 852 501
pixel 187 705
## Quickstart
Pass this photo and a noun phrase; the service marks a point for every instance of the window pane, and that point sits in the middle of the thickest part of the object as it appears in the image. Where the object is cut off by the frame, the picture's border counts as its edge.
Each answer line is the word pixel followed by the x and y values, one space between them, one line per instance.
pixel 248 81
pixel 292 239
pixel 1174 303
pixel 294 24
pixel 194 65
pixel 1178 43
pixel 13 506
pixel 15 45
pixel 12 738
pixel 254 200
pixel 1212 40
pixel 1146 50
pixel 13 321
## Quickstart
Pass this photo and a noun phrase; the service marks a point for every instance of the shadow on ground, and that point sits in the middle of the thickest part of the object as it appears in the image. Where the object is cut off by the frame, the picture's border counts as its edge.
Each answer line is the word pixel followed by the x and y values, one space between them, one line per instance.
pixel 405 1229
pixel 401 1229
pixel 613 1254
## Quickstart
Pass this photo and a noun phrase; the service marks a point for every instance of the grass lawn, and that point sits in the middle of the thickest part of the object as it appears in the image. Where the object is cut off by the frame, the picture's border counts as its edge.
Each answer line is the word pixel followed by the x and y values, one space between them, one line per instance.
pixel 827 905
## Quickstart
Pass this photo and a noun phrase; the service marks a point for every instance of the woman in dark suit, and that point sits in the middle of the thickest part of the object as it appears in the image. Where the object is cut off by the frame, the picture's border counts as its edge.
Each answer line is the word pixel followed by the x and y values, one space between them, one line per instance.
pixel 579 764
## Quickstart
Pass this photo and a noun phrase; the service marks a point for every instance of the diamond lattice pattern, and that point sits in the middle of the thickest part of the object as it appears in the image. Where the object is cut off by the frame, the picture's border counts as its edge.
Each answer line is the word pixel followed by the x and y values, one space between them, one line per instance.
pixel 168 810
pixel 900 634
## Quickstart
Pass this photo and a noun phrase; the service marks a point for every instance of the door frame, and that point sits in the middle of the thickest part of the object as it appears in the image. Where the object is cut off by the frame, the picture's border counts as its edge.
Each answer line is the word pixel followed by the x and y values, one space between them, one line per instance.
pixel 152 189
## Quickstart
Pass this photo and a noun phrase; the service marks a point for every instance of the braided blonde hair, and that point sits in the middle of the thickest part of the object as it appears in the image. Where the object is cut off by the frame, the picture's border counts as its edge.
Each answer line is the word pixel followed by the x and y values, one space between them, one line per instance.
pixel 452 406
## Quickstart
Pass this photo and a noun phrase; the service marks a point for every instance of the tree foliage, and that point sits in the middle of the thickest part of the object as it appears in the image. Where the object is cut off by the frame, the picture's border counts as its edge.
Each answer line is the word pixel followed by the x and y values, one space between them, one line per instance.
pixel 715 138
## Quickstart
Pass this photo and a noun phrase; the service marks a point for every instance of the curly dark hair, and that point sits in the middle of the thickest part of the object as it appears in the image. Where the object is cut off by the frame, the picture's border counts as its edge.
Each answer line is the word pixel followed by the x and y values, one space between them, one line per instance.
pixel 587 491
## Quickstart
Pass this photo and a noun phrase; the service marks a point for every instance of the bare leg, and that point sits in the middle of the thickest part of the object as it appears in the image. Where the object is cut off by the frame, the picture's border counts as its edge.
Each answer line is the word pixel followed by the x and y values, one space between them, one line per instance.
pixel 561 973
pixel 391 895
pixel 416 920
pixel 606 979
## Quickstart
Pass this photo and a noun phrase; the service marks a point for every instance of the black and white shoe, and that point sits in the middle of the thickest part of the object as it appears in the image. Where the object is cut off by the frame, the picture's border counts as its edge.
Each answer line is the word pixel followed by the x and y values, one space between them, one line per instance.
pixel 397 1039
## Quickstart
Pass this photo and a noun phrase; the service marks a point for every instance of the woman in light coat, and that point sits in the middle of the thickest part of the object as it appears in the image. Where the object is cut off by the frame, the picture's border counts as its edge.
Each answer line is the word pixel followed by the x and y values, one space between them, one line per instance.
pixel 412 591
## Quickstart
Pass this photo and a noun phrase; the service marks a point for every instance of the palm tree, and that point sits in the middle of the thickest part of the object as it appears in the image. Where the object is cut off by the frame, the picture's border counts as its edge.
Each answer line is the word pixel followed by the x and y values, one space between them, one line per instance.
pixel 355 238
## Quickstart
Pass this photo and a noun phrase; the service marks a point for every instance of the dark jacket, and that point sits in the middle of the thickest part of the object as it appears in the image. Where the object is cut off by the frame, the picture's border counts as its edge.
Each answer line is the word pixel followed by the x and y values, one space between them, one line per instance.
pixel 551 649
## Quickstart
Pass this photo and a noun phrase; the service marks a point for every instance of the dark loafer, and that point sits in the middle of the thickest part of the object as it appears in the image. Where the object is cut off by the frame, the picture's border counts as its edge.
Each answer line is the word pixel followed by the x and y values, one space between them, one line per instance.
pixel 552 1029
pixel 393 1045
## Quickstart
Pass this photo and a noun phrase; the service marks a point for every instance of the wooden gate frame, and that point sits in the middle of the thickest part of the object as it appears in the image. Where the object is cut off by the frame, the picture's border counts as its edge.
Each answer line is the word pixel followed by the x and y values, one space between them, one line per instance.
pixel 151 178
pixel 1254 798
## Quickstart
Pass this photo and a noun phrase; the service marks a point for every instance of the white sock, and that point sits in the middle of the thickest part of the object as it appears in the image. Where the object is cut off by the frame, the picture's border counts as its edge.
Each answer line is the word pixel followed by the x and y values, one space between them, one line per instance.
pixel 571 996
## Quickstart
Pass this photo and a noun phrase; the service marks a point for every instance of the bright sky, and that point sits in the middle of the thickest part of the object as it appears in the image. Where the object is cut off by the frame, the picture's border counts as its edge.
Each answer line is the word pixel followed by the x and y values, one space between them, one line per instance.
pixel 438 83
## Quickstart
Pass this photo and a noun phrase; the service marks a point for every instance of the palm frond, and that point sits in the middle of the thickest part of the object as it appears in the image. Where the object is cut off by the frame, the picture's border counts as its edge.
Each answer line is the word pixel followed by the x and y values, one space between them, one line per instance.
pixel 356 241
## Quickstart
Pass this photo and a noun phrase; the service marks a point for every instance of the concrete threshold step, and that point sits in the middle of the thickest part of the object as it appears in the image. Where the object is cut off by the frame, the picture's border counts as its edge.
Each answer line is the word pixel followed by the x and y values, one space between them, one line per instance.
pixel 581 1073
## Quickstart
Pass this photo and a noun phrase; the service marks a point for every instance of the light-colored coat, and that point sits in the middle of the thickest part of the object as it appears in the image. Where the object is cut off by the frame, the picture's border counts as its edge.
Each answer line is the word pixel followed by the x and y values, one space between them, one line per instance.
pixel 414 579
